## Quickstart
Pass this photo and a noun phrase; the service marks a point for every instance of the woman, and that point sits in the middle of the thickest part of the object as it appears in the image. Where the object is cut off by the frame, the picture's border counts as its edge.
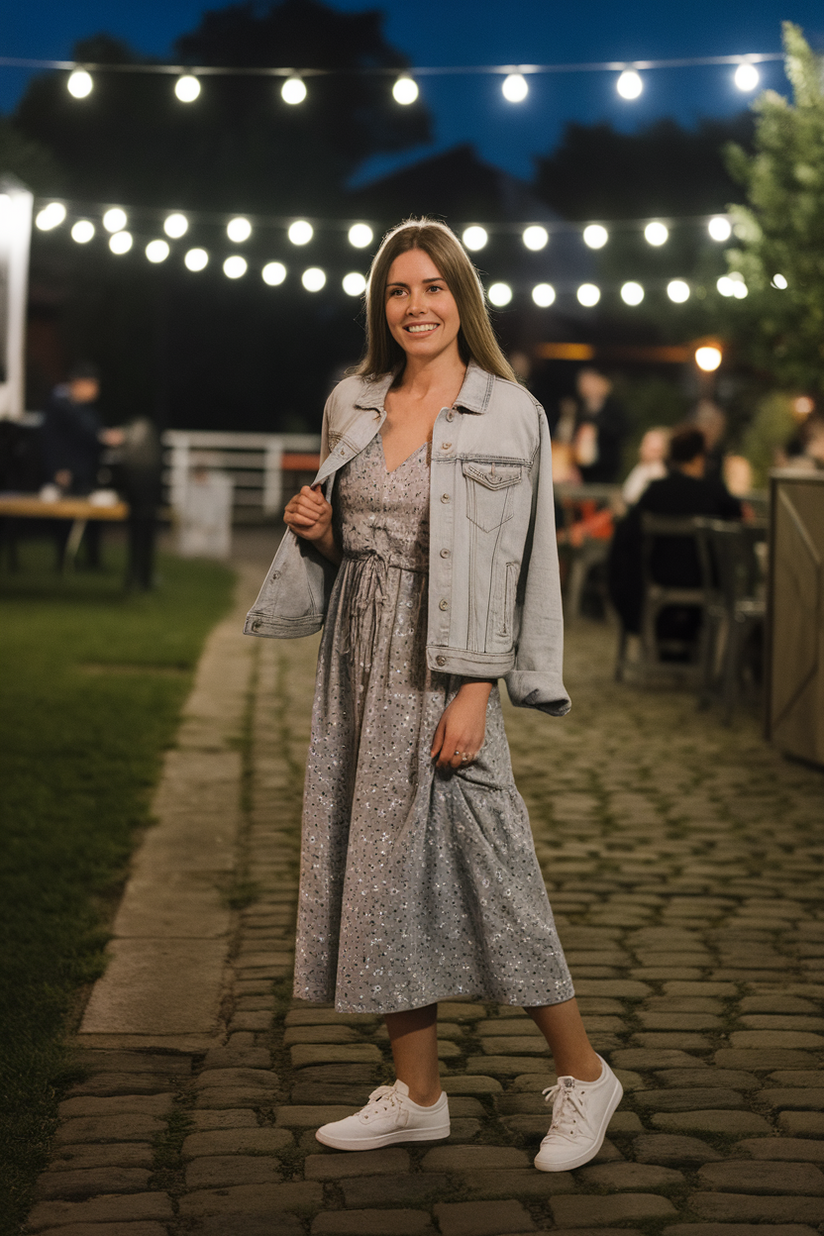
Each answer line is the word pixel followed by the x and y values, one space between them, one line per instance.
pixel 427 544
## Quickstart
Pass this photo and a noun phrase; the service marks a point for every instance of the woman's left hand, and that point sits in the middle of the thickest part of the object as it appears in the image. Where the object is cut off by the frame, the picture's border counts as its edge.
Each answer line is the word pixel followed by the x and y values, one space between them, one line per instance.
pixel 461 730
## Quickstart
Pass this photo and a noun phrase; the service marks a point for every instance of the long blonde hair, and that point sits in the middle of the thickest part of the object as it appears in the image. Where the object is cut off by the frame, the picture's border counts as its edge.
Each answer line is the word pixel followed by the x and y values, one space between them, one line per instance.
pixel 476 339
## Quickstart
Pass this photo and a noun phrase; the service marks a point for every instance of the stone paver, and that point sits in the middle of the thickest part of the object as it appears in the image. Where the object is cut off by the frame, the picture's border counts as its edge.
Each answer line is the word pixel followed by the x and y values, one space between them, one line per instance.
pixel 684 863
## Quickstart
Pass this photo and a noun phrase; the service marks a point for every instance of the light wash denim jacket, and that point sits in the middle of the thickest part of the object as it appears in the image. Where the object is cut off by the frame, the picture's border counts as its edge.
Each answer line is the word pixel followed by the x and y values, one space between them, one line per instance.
pixel 494 594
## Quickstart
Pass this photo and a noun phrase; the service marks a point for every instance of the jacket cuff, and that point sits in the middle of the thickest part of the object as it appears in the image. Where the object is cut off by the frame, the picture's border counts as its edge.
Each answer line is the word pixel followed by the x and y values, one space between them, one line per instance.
pixel 528 689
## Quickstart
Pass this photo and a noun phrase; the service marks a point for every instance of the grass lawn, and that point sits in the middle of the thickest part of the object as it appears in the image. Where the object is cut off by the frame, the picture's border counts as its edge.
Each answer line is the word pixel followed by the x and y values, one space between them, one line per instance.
pixel 91 684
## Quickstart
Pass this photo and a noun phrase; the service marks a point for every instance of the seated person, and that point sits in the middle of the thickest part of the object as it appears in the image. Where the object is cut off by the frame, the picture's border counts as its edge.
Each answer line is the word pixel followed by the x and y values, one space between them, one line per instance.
pixel 684 491
pixel 650 467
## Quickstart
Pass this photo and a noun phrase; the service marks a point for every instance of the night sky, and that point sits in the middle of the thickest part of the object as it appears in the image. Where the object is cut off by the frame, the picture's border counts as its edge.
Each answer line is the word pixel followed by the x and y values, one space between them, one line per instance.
pixel 463 32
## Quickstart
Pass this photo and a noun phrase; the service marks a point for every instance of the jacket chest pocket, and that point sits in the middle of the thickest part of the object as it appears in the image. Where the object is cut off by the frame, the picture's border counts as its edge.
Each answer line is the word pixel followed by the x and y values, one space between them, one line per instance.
pixel 489 492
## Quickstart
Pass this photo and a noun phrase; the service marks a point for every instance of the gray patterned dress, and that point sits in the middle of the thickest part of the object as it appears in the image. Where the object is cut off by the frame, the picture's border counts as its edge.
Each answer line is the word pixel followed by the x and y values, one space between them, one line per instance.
pixel 415 886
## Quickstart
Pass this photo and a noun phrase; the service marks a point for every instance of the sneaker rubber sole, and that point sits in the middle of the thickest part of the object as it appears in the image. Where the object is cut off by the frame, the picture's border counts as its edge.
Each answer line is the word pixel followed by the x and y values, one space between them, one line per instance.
pixel 383 1139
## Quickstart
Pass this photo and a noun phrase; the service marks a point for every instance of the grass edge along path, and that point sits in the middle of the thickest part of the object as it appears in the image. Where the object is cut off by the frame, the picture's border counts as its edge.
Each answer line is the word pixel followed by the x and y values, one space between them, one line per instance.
pixel 93 683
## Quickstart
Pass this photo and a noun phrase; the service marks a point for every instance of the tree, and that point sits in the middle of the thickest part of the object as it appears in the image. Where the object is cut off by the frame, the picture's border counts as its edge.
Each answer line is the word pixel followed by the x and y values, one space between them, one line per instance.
pixel 781 229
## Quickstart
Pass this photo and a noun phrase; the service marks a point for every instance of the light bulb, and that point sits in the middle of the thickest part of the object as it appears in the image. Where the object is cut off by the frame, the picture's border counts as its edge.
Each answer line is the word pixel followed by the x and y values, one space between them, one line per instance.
pixel 405 90
pixel 300 232
pixel 238 230
pixel 544 295
pixel 196 259
pixel 293 90
pixel 746 77
pixel 632 293
pixel 235 267
pixel 719 228
pixel 739 289
pixel 779 281
pixel 725 286
pixel 121 242
pixel 588 294
pixel 595 236
pixel 114 220
pixel 629 84
pixel 273 273
pixel 157 250
pixel 175 226
pixel 678 291
pixel 500 294
pixel 515 88
pixel 360 235
pixel 79 84
pixel 187 88
pixel 535 237
pixel 83 231
pixel 354 284
pixel 313 279
pixel 656 234
pixel 50 216
pixel 475 237
pixel 708 358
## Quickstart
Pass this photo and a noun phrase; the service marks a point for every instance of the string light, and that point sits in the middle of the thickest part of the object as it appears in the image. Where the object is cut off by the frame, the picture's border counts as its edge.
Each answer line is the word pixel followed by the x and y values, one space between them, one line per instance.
pixel 313 279
pixel 500 294
pixel 175 226
pixel 235 266
pixel 588 295
pixel 300 232
pixel 475 237
pixel 115 219
pixel 535 237
pixel 543 295
pixel 708 358
pixel 80 84
pixel 719 228
pixel 678 291
pixel 196 259
pixel 293 90
pixel 360 235
pixel 656 234
pixel 515 88
pixel 120 242
pixel 187 88
pixel 82 231
pixel 595 236
pixel 405 90
pixel 732 285
pixel 273 273
pixel 778 281
pixel 157 250
pixel 632 293
pixel 746 77
pixel 50 216
pixel 238 230
pixel 629 84
pixel 354 284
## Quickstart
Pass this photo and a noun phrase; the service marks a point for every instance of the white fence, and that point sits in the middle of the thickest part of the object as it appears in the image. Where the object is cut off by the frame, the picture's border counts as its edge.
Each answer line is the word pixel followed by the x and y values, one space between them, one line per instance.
pixel 262 480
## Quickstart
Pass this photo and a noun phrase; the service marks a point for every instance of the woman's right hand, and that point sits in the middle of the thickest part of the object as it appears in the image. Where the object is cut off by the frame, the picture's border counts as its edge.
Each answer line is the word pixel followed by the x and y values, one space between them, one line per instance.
pixel 309 515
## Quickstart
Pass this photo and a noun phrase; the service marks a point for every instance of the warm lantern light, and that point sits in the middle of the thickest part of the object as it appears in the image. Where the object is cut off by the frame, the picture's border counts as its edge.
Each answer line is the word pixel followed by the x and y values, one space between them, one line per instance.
pixel 273 273
pixel 500 294
pixel 678 291
pixel 196 259
pixel 708 358
pixel 79 84
pixel 632 293
pixel 157 250
pixel 187 88
pixel 121 242
pixel 313 279
pixel 588 294
pixel 405 91
pixel 629 84
pixel 535 237
pixel 293 90
pixel 50 216
pixel 746 77
pixel 778 281
pixel 360 235
pixel 803 405
pixel 475 237
pixel 354 284
pixel 238 230
pixel 515 88
pixel 719 228
pixel 235 267
pixel 175 226
pixel 300 232
pixel 595 236
pixel 114 220
pixel 544 295
pixel 656 234
pixel 83 231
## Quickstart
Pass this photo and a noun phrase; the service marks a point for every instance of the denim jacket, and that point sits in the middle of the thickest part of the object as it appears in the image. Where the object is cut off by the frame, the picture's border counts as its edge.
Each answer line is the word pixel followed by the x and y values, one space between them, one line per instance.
pixel 494 607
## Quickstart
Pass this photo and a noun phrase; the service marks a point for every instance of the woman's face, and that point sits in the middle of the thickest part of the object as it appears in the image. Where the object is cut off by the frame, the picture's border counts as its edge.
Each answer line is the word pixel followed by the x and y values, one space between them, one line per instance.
pixel 420 309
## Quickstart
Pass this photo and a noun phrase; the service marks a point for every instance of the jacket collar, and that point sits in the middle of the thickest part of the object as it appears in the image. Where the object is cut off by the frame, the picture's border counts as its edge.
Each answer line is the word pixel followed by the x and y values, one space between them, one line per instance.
pixel 474 395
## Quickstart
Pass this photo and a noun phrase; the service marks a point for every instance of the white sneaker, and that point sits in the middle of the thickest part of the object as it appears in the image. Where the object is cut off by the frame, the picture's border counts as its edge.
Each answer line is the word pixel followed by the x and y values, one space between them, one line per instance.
pixel 581 1112
pixel 390 1116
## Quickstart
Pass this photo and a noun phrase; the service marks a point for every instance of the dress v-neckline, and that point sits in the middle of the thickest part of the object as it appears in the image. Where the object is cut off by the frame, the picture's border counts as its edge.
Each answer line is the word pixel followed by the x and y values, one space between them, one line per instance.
pixel 391 471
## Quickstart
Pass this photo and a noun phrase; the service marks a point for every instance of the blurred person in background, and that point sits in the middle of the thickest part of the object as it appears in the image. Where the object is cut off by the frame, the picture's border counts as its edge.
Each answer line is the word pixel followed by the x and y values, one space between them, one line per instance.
pixel 712 421
pixel 651 465
pixel 600 430
pixel 137 471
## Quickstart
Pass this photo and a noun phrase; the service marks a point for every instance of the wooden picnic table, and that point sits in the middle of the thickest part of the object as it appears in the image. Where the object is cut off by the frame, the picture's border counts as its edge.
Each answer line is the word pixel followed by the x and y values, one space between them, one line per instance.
pixel 78 510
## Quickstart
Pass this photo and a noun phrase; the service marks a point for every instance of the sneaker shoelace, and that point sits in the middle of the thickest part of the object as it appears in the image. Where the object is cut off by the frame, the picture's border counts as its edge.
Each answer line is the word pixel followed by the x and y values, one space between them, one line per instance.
pixel 568 1109
pixel 381 1101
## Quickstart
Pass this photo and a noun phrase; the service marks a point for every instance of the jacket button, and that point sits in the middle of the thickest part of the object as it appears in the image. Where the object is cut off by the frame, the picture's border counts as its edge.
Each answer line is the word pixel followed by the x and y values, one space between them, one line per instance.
pixel 444 553
pixel 256 625
pixel 450 416
pixel 444 497
pixel 440 660
pixel 444 604
pixel 445 446
pixel 275 575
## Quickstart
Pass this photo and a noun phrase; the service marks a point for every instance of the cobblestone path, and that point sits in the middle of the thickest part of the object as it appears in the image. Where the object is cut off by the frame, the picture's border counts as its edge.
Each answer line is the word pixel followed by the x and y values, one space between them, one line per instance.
pixel 684 862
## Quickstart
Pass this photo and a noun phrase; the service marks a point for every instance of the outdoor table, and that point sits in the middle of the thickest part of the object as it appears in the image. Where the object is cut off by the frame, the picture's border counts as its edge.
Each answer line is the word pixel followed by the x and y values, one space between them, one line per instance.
pixel 78 510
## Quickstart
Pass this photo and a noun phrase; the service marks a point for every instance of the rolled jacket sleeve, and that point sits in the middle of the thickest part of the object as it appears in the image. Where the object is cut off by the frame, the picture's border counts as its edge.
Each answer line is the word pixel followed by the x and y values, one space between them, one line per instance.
pixel 536 679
